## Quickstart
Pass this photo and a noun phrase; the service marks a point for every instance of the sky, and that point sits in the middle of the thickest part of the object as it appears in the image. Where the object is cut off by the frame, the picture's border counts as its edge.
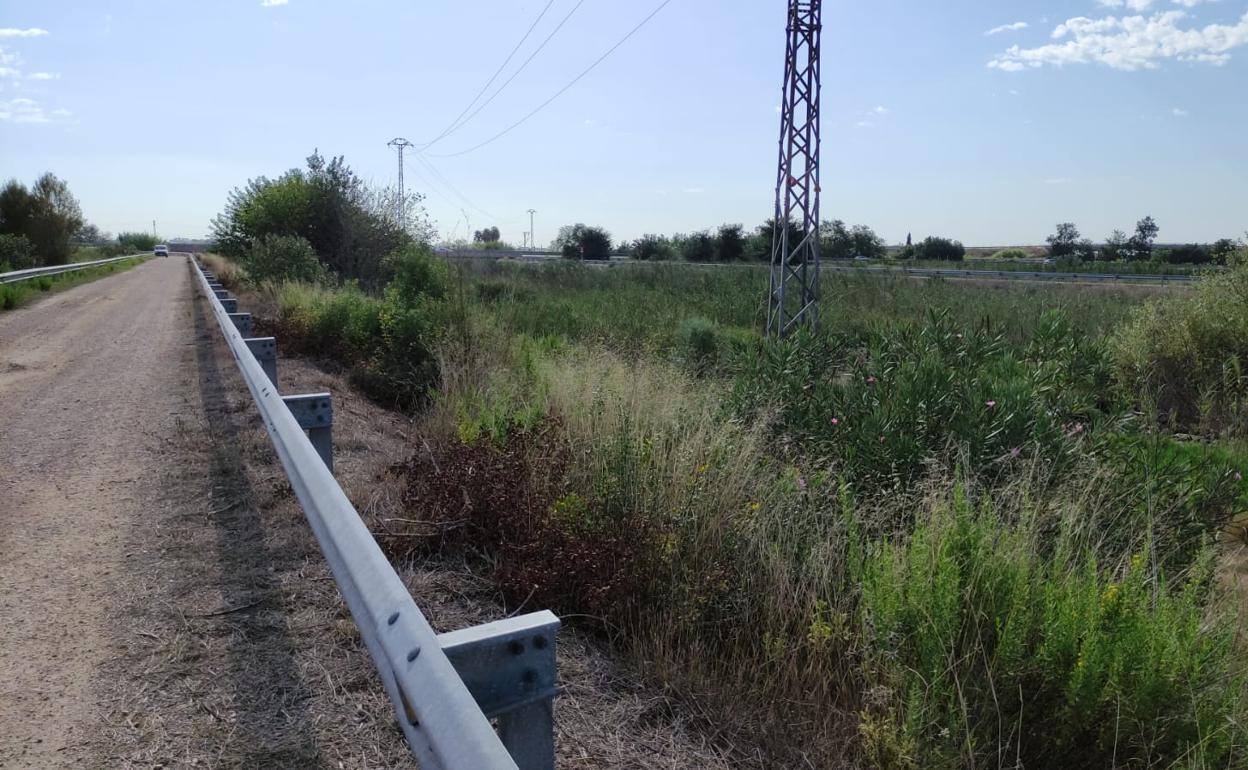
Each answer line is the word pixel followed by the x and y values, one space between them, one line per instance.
pixel 983 120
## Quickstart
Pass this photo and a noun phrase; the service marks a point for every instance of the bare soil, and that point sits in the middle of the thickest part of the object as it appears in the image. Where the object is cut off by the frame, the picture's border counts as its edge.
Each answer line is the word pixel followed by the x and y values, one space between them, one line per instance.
pixel 165 603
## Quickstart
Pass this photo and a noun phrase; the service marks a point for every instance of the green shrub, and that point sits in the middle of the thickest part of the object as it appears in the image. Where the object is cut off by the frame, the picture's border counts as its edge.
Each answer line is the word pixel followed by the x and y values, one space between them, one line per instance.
pixel 1011 254
pixel 940 249
pixel 978 646
pixel 16 252
pixel 1186 354
pixel 284 258
pixel 132 243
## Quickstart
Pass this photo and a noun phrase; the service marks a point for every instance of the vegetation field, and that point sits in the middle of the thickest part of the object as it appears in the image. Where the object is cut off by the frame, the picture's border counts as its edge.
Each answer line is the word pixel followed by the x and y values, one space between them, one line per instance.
pixel 16 294
pixel 958 526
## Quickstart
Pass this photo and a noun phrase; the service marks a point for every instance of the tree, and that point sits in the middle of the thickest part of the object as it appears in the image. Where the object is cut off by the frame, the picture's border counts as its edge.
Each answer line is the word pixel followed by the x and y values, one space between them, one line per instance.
pixel 1115 246
pixel 47 214
pixel 652 247
pixel 730 243
pixel 867 243
pixel 1140 247
pixel 1064 242
pixel 1222 250
pixel 1191 254
pixel 699 247
pixel 350 226
pixel 488 235
pixel 284 258
pixel 89 234
pixel 580 241
pixel 942 249
pixel 835 240
pixel 136 241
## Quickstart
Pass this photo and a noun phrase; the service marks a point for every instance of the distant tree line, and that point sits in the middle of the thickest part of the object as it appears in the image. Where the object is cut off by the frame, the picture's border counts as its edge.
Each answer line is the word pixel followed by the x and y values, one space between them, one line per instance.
pixel 1140 246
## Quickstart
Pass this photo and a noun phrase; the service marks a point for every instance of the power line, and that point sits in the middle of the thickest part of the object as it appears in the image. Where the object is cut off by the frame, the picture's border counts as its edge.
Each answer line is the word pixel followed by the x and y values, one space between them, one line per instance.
pixel 494 77
pixel 514 75
pixel 434 173
pixel 561 91
pixel 401 144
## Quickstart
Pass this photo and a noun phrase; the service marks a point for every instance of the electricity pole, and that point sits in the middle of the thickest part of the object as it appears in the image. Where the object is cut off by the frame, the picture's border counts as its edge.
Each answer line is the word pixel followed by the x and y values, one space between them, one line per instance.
pixel 794 298
pixel 532 233
pixel 401 144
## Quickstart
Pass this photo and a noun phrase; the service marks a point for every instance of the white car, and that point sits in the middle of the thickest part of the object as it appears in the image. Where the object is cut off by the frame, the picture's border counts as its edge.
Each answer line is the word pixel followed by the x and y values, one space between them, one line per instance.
pixel 161 250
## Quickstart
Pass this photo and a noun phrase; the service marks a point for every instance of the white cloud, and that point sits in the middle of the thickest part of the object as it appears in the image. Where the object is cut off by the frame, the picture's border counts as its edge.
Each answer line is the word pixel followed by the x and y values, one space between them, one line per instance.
pixel 272 3
pixel 881 110
pixel 1015 27
pixel 865 124
pixel 1144 5
pixel 44 76
pixel 1129 43
pixel 32 32
pixel 1179 112
pixel 28 111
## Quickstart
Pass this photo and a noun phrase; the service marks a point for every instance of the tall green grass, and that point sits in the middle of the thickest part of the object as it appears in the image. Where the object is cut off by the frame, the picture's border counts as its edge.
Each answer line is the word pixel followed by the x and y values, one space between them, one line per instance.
pixel 14 295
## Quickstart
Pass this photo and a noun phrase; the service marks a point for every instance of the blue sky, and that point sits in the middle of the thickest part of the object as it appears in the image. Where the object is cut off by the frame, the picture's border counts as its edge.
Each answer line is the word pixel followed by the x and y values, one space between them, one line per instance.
pixel 1092 111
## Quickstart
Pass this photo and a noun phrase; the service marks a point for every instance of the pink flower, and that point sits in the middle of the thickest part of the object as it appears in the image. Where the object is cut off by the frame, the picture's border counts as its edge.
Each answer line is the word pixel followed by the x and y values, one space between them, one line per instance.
pixel 1015 452
pixel 990 404
pixel 959 336
pixel 881 439
pixel 801 483
pixel 871 380
pixel 836 421
pixel 1239 476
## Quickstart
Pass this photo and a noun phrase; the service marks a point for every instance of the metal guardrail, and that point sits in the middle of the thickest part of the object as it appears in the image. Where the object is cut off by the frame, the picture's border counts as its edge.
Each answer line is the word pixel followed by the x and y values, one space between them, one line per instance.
pixel 445 688
pixel 39 272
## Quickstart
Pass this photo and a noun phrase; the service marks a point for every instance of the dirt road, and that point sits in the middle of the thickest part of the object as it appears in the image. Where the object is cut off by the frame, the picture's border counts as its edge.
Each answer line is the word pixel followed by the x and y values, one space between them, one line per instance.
pixel 87 382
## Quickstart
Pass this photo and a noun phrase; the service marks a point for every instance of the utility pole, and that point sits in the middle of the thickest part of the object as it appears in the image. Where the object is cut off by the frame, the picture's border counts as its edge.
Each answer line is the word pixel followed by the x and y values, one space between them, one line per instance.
pixel 794 298
pixel 532 232
pixel 401 144
pixel 154 235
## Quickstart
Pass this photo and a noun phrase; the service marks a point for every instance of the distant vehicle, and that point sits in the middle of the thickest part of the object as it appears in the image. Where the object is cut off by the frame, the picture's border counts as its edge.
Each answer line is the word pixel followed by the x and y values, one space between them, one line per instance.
pixel 861 258
pixel 161 250
pixel 1048 261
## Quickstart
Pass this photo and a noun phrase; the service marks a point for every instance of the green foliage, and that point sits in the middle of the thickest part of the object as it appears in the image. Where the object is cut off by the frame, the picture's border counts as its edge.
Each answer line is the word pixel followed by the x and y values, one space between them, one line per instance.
pixel 837 241
pixel 46 214
pixel 882 404
pixel 350 226
pixel 940 249
pixel 730 243
pixel 1065 242
pixel 698 247
pixel 488 235
pixel 652 247
pixel 136 242
pixel 1187 354
pixel 284 258
pixel 16 252
pixel 1011 254
pixel 580 241
pixel 971 625
pixel 705 346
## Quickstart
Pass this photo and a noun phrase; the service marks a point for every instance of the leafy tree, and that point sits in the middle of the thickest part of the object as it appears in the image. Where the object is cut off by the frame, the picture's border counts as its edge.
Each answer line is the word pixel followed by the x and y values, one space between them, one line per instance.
pixel 835 240
pixel 16 252
pixel 1064 242
pixel 730 243
pixel 1010 254
pixel 89 234
pixel 1222 250
pixel 350 226
pixel 699 247
pixel 488 235
pixel 867 243
pixel 580 241
pixel 763 240
pixel 942 249
pixel 1085 250
pixel 652 247
pixel 1115 246
pixel 1140 247
pixel 47 214
pixel 136 241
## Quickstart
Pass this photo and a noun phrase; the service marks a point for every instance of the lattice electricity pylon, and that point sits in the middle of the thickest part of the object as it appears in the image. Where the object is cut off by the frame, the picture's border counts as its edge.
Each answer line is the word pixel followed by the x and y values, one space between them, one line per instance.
pixel 795 243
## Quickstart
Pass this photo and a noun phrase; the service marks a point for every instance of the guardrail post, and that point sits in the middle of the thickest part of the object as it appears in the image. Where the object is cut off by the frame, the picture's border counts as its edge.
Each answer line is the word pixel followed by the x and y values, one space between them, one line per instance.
pixel 230 305
pixel 221 293
pixel 315 413
pixel 509 667
pixel 242 322
pixel 265 351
